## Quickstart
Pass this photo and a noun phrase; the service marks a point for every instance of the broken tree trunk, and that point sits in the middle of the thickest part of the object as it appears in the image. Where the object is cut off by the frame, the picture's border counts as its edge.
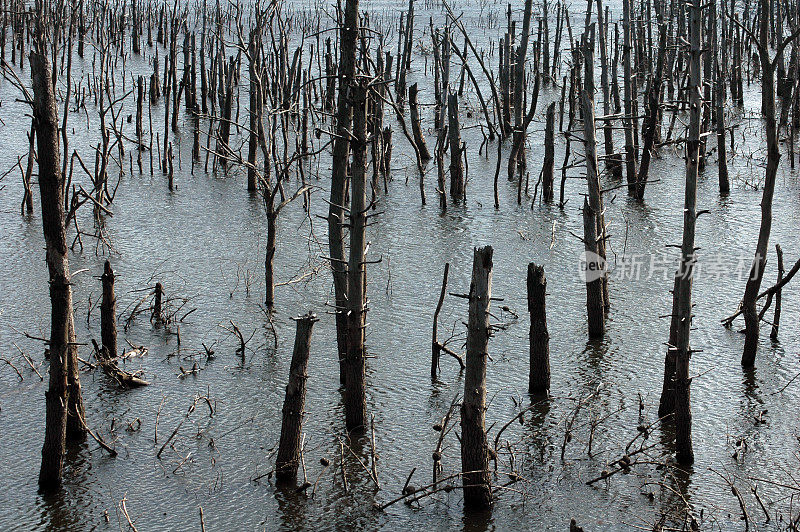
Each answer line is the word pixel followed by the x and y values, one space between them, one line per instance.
pixel 474 445
pixel 416 128
pixel 108 312
pixel 456 150
pixel 294 403
pixel 549 153
pixel 539 376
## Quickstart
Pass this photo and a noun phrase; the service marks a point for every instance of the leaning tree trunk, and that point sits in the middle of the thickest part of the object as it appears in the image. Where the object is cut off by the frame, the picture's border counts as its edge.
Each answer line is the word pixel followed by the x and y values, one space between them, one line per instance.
pixel 355 403
pixel 294 403
pixel 683 285
pixel 474 445
pixel 51 183
pixel 341 148
pixel 773 159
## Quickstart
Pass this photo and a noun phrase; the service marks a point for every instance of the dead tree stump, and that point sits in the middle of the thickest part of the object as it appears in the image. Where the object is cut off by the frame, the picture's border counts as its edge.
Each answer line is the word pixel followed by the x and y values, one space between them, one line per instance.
pixel 294 403
pixel 539 377
pixel 474 445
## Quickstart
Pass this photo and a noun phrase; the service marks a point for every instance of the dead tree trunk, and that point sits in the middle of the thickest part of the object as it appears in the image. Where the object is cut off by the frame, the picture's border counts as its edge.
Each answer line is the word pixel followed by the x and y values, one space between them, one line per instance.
pixel 294 403
pixel 653 113
pixel 416 128
pixel 516 159
pixel 629 124
pixel 539 377
pixel 474 445
pixel 776 319
pixel 51 183
pixel 683 292
pixel 355 394
pixel 773 159
pixel 436 347
pixel 341 148
pixel 593 224
pixel 456 150
pixel 549 153
pixel 612 161
pixel 108 312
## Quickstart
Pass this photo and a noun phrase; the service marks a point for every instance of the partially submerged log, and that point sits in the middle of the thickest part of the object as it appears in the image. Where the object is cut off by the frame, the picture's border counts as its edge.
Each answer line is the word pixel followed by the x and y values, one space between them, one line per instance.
pixel 110 367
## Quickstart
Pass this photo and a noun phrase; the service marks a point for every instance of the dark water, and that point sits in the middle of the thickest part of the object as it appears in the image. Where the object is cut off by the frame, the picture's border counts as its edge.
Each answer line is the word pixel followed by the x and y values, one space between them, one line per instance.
pixel 205 241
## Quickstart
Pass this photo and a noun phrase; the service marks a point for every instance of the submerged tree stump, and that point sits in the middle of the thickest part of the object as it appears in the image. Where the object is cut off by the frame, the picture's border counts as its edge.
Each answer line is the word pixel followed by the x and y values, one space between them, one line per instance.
pixel 294 403
pixel 108 312
pixel 539 377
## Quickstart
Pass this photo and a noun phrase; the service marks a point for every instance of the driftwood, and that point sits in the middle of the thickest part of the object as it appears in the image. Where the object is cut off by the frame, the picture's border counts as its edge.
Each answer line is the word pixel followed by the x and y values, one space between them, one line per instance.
pixel 109 365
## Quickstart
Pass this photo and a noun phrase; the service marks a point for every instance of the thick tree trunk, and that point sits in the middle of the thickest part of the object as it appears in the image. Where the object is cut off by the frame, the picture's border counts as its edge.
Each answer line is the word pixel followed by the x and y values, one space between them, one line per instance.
pixel 539 377
pixel 341 148
pixel 474 445
pixel 294 403
pixel 51 183
pixel 269 260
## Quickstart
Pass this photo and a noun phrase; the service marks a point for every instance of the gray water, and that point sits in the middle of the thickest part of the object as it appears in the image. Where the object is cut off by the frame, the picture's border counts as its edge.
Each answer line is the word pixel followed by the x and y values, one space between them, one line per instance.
pixel 205 241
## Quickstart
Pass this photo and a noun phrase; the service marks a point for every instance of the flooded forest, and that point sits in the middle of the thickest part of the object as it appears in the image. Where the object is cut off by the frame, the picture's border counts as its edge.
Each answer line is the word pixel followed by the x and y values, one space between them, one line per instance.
pixel 399 264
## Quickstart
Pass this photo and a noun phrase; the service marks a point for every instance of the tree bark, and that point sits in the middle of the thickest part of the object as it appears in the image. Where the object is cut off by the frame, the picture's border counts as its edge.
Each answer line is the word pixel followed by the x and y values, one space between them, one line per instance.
pixel 341 147
pixel 51 183
pixel 773 159
pixel 294 403
pixel 683 292
pixel 355 394
pixel 474 445
pixel 108 312
pixel 539 377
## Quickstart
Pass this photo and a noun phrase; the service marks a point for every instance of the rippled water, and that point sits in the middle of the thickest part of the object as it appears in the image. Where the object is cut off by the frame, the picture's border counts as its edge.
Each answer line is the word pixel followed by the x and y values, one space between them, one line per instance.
pixel 204 239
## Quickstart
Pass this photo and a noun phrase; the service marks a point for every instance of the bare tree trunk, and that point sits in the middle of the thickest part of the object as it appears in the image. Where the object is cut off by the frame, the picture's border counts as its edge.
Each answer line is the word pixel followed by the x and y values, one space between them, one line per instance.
pixel 653 114
pixel 593 224
pixel 629 124
pixel 51 183
pixel 294 403
pixel 341 148
pixel 456 151
pixel 773 159
pixel 683 292
pixel 539 377
pixel 108 312
pixel 416 128
pixel 474 445
pixel 518 146
pixel 549 153
pixel 355 393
